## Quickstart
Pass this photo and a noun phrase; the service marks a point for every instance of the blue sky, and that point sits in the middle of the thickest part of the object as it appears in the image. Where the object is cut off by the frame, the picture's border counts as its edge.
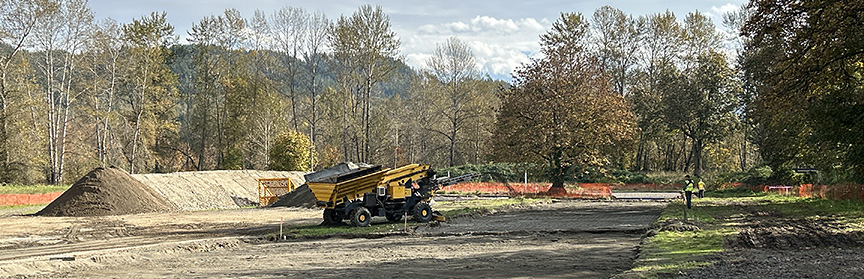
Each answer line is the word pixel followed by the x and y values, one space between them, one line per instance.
pixel 502 34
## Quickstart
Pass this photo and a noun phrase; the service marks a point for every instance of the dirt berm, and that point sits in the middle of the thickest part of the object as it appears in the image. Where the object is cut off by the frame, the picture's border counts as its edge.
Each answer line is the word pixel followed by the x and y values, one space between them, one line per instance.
pixel 107 191
pixel 219 189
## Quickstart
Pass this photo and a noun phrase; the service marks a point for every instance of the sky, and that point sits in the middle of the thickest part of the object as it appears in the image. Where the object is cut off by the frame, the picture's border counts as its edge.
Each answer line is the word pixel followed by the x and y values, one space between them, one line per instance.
pixel 502 34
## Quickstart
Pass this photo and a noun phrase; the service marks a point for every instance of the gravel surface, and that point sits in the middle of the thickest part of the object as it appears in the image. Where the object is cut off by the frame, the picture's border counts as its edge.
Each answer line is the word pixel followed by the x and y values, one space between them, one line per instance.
pixel 646 195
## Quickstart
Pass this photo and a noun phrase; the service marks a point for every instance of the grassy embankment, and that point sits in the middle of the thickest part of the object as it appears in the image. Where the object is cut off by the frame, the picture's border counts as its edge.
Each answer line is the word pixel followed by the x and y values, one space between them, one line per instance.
pixel 379 225
pixel 668 252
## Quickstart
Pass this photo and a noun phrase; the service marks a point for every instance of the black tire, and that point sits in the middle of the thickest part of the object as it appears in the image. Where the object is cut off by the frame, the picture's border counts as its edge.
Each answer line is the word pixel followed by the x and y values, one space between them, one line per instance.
pixel 394 217
pixel 422 212
pixel 360 217
pixel 332 217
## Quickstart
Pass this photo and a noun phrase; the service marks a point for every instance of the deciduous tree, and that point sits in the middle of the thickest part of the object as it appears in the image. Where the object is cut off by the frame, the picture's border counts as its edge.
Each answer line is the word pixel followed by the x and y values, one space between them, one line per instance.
pixel 803 62
pixel 364 47
pixel 150 91
pixel 560 111
pixel 458 102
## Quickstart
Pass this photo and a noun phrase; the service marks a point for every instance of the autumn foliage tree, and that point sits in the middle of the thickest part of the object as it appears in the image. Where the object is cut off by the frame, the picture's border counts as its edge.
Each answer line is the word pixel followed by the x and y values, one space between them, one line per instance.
pixel 560 111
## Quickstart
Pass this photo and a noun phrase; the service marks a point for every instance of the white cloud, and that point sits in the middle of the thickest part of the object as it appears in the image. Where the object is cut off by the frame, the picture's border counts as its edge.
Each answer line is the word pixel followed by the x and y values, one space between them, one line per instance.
pixel 719 11
pixel 485 24
pixel 499 45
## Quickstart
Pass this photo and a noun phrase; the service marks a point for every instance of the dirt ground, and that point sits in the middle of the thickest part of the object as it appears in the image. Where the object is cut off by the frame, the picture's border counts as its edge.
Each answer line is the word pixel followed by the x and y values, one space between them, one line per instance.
pixel 771 245
pixel 558 240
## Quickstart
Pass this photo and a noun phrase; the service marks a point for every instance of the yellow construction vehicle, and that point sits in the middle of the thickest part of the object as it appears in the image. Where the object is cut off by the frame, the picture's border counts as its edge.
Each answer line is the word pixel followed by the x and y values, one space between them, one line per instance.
pixel 360 194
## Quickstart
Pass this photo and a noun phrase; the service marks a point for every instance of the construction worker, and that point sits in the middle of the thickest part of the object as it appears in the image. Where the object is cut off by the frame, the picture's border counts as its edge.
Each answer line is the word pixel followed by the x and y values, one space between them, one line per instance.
pixel 410 201
pixel 688 190
pixel 701 188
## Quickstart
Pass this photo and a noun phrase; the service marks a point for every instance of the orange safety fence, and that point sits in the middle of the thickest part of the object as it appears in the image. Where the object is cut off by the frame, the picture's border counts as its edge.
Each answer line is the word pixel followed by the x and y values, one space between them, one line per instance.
pixel 584 190
pixel 844 191
pixel 28 199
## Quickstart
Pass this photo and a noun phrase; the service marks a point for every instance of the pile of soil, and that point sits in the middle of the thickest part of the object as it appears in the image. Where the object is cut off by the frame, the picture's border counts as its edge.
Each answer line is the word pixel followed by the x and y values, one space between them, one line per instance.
pixel 217 189
pixel 300 197
pixel 107 191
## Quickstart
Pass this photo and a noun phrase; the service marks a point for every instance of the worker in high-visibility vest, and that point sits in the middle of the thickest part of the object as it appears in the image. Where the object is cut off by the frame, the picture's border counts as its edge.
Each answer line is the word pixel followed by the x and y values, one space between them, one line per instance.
pixel 688 190
pixel 701 188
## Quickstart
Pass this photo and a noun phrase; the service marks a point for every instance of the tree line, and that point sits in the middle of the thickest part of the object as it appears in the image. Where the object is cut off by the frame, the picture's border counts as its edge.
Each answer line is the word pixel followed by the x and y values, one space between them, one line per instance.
pixel 79 93
pixel 788 98
pixel 612 91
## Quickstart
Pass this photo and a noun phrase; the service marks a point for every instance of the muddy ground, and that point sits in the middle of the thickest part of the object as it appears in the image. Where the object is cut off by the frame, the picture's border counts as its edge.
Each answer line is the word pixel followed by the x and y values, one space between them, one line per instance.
pixel 583 239
pixel 771 245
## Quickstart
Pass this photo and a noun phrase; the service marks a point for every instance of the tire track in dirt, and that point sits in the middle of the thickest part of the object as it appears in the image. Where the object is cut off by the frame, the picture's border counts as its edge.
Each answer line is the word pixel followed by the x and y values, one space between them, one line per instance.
pixel 87 246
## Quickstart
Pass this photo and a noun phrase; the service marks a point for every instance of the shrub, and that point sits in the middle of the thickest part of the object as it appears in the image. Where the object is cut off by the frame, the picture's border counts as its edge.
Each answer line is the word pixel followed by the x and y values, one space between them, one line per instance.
pixel 290 152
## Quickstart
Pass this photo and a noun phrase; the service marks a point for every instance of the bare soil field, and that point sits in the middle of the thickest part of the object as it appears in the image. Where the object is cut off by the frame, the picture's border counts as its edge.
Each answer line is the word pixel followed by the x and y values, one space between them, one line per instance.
pixel 769 244
pixel 583 239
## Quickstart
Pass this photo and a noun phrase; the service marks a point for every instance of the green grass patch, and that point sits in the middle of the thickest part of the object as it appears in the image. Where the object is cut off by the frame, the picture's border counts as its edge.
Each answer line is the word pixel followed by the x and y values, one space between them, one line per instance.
pixel 32 189
pixel 733 193
pixel 20 209
pixel 380 226
pixel 668 252
pixel 456 208
pixel 36 206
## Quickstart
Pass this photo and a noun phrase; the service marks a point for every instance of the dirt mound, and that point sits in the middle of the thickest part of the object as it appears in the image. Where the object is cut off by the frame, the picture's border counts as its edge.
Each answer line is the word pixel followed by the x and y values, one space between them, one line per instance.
pixel 207 190
pixel 107 191
pixel 792 234
pixel 300 197
pixel 335 171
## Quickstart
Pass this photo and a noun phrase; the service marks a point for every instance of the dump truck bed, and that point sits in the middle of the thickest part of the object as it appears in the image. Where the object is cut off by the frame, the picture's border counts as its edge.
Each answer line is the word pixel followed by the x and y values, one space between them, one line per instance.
pixel 334 189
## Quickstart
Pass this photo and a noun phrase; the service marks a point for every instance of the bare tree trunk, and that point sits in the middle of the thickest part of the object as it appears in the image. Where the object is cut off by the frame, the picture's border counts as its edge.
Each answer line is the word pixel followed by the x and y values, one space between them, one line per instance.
pixel 744 150
pixel 689 157
pixel 697 152
pixel 203 142
pixel 138 117
pixel 558 172
pixel 103 137
pixel 366 115
pixel 4 138
pixel 135 141
pixel 52 117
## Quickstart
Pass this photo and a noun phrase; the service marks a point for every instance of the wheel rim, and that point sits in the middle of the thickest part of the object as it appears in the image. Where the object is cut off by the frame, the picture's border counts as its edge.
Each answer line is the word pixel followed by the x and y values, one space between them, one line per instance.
pixel 362 218
pixel 425 213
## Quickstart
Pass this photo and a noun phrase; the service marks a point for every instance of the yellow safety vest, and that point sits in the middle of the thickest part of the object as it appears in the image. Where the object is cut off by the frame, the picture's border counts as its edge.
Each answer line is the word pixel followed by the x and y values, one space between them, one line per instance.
pixel 701 185
pixel 688 186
